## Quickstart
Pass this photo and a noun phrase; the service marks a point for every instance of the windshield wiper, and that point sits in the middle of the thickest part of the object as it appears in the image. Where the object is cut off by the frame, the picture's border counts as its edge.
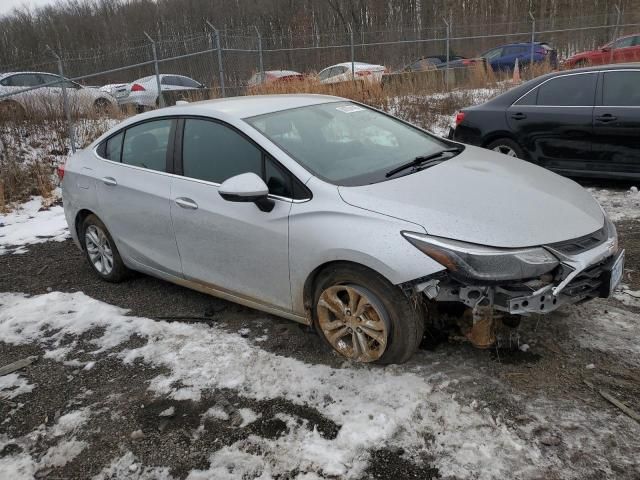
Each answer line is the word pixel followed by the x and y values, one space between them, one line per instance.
pixel 424 161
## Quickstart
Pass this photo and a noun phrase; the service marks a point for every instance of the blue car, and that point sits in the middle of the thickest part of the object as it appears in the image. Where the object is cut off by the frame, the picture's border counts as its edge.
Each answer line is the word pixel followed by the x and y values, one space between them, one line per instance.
pixel 503 58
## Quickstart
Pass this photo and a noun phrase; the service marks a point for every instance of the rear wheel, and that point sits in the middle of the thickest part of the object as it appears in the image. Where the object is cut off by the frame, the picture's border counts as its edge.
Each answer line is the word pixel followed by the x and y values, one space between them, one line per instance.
pixel 507 147
pixel 365 318
pixel 101 251
pixel 101 106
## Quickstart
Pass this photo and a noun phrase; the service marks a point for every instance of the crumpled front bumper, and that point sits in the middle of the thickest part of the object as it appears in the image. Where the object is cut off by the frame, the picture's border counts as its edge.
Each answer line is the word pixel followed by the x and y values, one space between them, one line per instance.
pixel 598 279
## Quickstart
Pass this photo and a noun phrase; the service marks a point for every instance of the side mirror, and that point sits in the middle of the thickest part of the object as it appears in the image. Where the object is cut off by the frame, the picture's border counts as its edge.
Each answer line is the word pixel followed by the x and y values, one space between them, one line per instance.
pixel 247 187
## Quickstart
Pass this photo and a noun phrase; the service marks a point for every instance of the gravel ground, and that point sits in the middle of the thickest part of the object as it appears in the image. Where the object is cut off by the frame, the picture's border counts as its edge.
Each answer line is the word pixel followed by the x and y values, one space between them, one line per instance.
pixel 540 389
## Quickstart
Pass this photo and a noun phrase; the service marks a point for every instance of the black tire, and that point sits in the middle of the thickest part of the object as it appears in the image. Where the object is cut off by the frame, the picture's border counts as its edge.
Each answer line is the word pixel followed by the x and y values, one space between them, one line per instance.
pixel 405 316
pixel 506 146
pixel 101 106
pixel 119 271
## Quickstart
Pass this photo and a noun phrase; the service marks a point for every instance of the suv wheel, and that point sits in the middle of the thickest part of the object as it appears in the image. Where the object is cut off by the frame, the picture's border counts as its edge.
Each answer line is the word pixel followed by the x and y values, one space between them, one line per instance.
pixel 101 251
pixel 365 318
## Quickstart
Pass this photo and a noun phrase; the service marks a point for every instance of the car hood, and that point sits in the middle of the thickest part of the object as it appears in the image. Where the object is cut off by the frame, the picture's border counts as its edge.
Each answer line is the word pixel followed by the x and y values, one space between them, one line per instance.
pixel 486 198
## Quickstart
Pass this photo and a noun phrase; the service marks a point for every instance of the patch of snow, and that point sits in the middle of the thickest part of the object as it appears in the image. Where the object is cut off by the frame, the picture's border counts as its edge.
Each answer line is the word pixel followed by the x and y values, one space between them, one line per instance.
pixel 71 422
pixel 627 296
pixel 62 453
pixel 13 385
pixel 619 204
pixel 120 468
pixel 169 412
pixel 248 416
pixel 89 365
pixel 27 225
pixel 217 413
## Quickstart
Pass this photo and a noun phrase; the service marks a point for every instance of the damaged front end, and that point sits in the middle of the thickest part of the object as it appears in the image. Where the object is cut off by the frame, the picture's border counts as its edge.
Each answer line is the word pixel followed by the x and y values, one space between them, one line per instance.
pixel 495 283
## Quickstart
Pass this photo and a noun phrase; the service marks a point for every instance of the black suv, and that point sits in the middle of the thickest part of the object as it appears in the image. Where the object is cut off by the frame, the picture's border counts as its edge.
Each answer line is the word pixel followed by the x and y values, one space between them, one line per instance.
pixel 583 122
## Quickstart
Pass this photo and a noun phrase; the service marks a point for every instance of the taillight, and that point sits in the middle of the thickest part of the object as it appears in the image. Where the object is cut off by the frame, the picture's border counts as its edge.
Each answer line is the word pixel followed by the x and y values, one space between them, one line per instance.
pixel 136 87
pixel 459 118
pixel 61 170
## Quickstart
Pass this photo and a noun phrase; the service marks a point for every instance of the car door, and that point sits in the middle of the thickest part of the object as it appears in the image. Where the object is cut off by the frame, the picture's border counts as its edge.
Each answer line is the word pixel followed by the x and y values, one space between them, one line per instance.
pixel 78 103
pixel 233 247
pixel 553 122
pixel 134 194
pixel 493 57
pixel 623 50
pixel 31 100
pixel 616 123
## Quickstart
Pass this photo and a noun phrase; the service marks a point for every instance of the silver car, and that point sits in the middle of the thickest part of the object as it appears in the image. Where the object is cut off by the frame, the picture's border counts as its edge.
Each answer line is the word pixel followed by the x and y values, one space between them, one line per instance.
pixel 336 215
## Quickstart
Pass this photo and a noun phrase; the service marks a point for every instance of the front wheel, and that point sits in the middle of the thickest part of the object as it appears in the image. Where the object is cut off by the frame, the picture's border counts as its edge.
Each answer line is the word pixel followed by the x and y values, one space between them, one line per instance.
pixel 507 147
pixel 365 318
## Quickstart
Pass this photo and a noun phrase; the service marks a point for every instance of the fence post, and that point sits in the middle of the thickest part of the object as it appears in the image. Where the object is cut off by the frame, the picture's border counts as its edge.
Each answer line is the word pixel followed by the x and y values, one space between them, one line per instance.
pixel 353 53
pixel 447 67
pixel 259 48
pixel 216 32
pixel 533 39
pixel 155 64
pixel 615 32
pixel 65 100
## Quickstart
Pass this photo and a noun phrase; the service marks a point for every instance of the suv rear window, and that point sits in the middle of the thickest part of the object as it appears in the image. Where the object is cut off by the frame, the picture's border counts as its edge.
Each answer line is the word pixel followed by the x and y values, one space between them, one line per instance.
pixel 621 88
pixel 568 91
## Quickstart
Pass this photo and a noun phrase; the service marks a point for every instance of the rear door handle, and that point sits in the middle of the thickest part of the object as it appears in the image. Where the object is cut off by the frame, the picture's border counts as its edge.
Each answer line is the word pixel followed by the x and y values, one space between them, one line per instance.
pixel 186 203
pixel 607 117
pixel 518 116
pixel 109 181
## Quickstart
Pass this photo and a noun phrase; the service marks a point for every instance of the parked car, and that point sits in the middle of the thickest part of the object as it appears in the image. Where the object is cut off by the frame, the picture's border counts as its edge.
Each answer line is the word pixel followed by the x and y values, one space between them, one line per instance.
pixel 437 62
pixel 274 76
pixel 47 99
pixel 503 58
pixel 582 122
pixel 333 214
pixel 624 49
pixel 143 93
pixel 361 71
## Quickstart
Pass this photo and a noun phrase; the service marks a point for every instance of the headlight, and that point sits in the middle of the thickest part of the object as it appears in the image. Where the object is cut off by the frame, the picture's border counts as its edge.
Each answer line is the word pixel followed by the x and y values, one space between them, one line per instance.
pixel 478 262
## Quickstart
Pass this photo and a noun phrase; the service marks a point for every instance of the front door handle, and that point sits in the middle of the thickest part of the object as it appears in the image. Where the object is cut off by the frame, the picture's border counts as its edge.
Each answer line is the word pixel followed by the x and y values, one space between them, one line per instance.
pixel 186 203
pixel 110 181
pixel 518 116
pixel 607 117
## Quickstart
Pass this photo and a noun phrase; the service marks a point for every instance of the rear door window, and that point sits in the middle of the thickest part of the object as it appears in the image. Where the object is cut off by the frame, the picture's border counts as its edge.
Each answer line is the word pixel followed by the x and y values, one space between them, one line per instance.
pixel 113 147
pixel 568 91
pixel 22 80
pixel 621 89
pixel 145 145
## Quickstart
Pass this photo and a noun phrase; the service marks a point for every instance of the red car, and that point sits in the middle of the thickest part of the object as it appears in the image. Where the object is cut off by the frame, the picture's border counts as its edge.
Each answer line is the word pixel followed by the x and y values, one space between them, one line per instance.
pixel 624 49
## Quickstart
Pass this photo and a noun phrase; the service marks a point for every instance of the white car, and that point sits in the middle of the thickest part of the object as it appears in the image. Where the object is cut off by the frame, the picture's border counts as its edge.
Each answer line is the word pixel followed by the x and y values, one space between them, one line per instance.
pixel 48 98
pixel 342 72
pixel 144 91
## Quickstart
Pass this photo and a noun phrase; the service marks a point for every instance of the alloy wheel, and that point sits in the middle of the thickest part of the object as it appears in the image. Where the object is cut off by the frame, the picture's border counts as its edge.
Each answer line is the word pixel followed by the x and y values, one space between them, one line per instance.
pixel 99 249
pixel 354 322
pixel 506 150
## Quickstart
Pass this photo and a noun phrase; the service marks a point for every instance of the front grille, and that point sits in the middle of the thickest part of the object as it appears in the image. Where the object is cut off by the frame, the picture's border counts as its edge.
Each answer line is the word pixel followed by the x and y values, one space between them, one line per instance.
pixel 582 244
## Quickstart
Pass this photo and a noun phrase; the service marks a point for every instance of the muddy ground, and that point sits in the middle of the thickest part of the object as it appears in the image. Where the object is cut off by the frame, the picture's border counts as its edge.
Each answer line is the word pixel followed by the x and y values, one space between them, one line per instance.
pixel 554 363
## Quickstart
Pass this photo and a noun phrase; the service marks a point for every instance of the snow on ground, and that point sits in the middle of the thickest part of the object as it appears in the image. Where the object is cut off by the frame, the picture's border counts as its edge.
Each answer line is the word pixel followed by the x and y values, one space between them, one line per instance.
pixel 358 399
pixel 417 407
pixel 627 296
pixel 28 224
pixel 23 466
pixel 619 204
pixel 13 385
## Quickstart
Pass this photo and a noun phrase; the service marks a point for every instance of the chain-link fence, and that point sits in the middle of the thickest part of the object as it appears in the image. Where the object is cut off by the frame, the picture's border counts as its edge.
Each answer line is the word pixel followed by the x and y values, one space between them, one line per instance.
pixel 220 62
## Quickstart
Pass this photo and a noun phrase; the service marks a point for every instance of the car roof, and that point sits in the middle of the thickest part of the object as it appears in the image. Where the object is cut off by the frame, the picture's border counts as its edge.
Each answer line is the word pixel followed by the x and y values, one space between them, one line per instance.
pixel 282 72
pixel 7 74
pixel 507 97
pixel 249 106
pixel 355 64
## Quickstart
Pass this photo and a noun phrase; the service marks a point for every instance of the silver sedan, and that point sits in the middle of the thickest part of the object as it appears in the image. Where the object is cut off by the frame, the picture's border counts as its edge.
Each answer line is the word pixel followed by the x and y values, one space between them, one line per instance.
pixel 336 215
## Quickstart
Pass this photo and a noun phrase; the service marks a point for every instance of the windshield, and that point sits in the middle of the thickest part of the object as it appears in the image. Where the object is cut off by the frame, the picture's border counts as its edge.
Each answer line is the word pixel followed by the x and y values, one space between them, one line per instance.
pixel 345 143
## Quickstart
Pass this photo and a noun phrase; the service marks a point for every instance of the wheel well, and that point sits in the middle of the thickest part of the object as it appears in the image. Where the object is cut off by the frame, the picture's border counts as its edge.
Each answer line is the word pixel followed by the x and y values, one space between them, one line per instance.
pixel 309 283
pixel 82 214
